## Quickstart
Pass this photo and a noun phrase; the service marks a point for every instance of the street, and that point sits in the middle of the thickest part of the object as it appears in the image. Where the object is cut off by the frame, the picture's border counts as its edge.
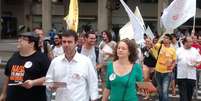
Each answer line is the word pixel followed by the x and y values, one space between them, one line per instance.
pixel 154 98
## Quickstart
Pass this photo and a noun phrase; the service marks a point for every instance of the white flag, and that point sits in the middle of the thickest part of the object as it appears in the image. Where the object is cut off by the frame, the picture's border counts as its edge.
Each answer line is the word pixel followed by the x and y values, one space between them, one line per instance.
pixel 126 31
pixel 137 26
pixel 177 13
pixel 149 33
pixel 138 14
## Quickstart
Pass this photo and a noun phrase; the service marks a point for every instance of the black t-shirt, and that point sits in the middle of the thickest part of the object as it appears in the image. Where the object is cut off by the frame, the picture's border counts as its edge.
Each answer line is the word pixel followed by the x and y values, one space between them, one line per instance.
pixel 149 59
pixel 20 69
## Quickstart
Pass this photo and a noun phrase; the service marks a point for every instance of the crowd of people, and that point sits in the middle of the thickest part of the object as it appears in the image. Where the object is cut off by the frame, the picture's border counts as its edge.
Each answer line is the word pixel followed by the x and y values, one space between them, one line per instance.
pixel 72 64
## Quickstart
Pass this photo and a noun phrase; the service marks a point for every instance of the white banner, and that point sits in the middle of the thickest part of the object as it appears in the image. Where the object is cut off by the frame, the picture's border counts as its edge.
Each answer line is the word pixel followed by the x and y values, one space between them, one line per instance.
pixel 177 13
pixel 126 31
pixel 138 14
pixel 149 33
pixel 137 26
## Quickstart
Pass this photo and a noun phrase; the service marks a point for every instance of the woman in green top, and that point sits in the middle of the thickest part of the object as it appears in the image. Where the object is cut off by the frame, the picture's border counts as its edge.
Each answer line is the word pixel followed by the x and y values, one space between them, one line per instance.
pixel 123 73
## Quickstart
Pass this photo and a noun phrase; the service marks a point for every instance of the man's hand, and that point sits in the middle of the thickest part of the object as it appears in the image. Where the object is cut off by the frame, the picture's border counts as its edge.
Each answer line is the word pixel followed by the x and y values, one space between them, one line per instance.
pixel 28 84
pixel 171 65
pixel 170 68
pixel 52 88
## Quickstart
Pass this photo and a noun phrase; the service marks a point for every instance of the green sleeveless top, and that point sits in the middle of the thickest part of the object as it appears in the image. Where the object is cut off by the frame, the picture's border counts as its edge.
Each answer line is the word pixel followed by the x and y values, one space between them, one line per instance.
pixel 117 84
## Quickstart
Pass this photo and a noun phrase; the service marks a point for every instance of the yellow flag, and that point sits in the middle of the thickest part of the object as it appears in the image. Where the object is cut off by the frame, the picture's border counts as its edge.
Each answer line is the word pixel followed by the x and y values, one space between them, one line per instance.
pixel 72 17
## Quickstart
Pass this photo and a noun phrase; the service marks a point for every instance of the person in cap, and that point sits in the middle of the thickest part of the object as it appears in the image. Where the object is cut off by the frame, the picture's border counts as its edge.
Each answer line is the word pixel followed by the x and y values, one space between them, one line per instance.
pixel 25 71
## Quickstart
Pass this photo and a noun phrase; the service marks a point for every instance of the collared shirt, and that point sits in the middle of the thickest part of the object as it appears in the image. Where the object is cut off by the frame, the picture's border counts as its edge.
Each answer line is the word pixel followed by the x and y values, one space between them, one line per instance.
pixel 79 75
pixel 185 63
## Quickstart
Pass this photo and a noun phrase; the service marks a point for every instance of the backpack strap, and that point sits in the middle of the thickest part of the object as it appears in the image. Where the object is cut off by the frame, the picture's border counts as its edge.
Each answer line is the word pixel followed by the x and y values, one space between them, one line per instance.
pixel 97 53
pixel 79 48
pixel 179 44
pixel 127 83
pixel 159 52
pixel 53 46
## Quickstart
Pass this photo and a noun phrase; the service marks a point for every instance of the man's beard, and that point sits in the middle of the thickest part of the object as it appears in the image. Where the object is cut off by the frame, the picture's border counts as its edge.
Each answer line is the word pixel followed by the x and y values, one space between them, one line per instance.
pixel 57 43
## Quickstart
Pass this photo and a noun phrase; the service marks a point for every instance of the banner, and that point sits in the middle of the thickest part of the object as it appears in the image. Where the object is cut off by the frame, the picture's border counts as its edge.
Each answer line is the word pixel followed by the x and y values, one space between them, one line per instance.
pixel 149 33
pixel 138 14
pixel 126 31
pixel 72 17
pixel 177 13
pixel 137 26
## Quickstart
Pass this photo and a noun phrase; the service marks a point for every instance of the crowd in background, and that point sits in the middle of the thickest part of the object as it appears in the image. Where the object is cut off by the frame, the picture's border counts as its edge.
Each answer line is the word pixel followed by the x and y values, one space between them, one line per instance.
pixel 79 61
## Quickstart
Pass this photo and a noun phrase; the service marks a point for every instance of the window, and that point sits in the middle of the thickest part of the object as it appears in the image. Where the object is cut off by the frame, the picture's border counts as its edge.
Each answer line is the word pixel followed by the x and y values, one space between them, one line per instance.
pixel 9 27
pixel 12 2
pixel 149 1
pixel 37 1
pixel 199 4
pixel 88 1
pixel 53 1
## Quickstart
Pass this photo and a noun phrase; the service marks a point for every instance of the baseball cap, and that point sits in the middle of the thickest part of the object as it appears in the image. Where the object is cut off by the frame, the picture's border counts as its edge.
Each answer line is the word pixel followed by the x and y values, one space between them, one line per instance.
pixel 29 34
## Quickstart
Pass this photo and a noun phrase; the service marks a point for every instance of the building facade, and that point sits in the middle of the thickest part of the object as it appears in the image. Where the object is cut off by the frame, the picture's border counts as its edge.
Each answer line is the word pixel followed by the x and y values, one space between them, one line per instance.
pixel 96 14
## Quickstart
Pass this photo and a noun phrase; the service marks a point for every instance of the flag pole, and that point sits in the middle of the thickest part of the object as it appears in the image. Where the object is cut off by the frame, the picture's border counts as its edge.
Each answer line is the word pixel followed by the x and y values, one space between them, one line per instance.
pixel 193 30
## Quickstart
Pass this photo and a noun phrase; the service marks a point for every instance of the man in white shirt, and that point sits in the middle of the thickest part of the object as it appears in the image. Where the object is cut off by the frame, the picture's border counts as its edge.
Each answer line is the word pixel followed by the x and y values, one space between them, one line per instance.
pixel 89 49
pixel 75 70
pixel 187 58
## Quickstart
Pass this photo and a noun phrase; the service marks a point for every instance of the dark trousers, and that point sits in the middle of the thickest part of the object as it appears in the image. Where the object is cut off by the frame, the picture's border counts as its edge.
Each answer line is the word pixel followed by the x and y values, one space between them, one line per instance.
pixel 186 88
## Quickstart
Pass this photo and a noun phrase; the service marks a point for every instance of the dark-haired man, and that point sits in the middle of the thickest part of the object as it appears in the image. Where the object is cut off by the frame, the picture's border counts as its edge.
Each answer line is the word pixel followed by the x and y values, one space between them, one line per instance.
pixel 25 71
pixel 164 66
pixel 74 69
pixel 89 49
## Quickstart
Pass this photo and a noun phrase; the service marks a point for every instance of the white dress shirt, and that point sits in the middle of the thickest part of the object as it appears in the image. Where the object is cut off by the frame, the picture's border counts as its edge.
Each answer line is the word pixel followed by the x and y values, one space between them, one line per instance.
pixel 79 75
pixel 185 63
